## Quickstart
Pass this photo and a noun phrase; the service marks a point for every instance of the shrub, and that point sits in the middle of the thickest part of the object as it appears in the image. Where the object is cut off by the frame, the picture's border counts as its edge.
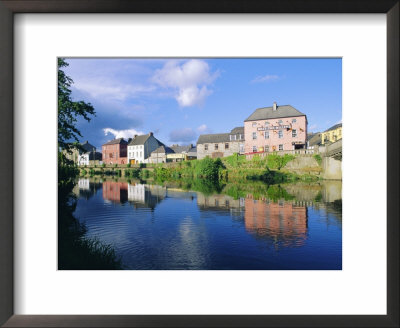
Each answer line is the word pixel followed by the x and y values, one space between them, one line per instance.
pixel 128 165
pixel 115 165
pixel 103 165
pixel 318 158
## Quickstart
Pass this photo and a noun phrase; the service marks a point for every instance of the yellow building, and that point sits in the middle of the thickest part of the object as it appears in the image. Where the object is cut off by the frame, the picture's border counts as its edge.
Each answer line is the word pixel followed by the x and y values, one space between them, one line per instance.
pixel 333 134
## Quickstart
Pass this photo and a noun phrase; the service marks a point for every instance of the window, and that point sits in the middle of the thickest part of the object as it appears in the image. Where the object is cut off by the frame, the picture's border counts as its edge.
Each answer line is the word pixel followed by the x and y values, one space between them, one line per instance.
pixel 240 136
pixel 254 124
pixel 280 147
pixel 266 134
pixel 280 134
pixel 294 133
pixel 226 146
pixel 230 137
pixel 254 149
pixel 266 148
pixel 111 155
pixel 266 123
pixel 254 135
pixel 205 147
pixel 216 146
pixel 294 120
pixel 280 121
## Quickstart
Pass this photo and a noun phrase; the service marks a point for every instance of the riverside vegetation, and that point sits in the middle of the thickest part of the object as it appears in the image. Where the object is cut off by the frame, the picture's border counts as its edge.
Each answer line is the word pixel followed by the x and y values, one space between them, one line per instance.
pixel 233 175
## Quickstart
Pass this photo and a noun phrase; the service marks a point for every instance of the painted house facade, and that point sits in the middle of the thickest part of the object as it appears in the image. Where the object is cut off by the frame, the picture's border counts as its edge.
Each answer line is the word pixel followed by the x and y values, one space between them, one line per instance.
pixel 221 144
pixel 141 147
pixel 275 128
pixel 114 151
pixel 333 134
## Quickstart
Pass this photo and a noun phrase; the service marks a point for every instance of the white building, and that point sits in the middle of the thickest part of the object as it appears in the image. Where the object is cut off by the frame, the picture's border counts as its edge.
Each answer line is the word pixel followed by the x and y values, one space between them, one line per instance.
pixel 141 147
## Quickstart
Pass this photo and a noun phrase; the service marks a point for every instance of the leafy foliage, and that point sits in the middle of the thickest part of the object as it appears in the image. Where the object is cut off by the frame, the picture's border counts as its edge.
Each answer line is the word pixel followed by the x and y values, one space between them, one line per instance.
pixel 69 111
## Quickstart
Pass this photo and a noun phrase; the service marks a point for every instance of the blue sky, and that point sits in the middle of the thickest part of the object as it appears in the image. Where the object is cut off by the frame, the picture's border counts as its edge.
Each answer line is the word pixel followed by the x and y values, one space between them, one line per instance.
pixel 179 99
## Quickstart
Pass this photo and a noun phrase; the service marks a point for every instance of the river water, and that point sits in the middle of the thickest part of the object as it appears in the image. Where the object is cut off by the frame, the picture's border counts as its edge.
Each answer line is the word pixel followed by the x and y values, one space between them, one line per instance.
pixel 240 227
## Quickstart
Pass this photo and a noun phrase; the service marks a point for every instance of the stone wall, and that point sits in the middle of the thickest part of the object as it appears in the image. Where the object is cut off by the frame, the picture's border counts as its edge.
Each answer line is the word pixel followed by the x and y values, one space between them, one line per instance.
pixel 332 168
pixel 234 147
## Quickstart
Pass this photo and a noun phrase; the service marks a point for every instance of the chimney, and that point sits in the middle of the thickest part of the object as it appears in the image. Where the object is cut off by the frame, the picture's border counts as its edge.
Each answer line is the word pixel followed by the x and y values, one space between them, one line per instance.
pixel 129 140
pixel 151 133
pixel 274 106
pixel 135 136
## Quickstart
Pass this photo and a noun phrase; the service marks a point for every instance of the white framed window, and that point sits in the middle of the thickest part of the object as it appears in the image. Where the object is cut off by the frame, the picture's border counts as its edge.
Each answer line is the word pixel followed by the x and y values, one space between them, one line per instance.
pixel 206 147
pixel 280 147
pixel 294 120
pixel 266 148
pixel 254 149
pixel 280 121
pixel 280 134
pixel 254 135
pixel 266 123
pixel 254 124
pixel 294 133
pixel 266 135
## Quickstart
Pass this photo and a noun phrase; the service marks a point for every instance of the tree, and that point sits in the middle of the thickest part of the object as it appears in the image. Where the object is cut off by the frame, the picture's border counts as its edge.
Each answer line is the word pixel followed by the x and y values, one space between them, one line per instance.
pixel 69 111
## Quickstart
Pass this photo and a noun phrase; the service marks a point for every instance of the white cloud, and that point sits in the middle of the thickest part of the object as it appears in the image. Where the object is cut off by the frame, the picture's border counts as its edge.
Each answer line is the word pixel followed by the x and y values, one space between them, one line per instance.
pixel 129 133
pixel 202 128
pixel 190 80
pixel 265 78
pixel 108 89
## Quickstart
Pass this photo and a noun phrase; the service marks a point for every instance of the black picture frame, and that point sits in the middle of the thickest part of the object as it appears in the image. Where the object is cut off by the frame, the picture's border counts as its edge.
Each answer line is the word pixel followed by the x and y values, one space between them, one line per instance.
pixel 10 7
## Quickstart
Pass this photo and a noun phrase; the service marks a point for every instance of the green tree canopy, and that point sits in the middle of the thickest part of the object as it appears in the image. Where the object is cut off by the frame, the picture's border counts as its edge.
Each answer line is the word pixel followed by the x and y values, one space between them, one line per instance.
pixel 69 111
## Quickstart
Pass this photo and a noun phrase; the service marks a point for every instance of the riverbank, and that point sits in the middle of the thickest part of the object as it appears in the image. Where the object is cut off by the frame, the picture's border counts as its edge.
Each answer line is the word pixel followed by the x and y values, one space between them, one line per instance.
pixel 270 169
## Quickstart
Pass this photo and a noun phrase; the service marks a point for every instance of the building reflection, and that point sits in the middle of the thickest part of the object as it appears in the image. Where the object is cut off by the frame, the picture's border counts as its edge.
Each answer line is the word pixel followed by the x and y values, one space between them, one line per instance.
pixel 115 191
pixel 85 188
pixel 282 222
pixel 148 196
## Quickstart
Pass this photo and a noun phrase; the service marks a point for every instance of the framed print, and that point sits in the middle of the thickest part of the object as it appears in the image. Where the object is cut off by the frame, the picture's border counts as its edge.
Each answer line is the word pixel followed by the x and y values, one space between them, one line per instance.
pixel 206 188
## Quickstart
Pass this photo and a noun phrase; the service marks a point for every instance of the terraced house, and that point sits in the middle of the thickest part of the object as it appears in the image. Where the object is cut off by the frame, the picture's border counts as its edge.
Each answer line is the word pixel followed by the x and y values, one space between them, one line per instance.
pixel 141 147
pixel 221 144
pixel 114 151
pixel 275 128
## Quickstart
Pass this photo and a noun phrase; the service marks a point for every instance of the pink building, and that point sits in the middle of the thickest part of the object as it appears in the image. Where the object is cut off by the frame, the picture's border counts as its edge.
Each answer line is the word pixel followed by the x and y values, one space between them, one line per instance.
pixel 275 128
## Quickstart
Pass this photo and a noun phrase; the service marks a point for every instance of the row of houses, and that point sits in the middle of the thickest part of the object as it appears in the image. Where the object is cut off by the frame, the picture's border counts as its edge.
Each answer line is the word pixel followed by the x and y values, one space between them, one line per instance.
pixel 267 129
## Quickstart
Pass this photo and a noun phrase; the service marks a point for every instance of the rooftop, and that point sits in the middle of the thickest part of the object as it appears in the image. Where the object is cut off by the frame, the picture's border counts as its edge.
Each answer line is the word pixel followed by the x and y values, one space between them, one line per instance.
pixel 116 141
pixel 238 130
pixel 266 113
pixel 87 147
pixel 181 149
pixel 163 150
pixel 336 126
pixel 213 138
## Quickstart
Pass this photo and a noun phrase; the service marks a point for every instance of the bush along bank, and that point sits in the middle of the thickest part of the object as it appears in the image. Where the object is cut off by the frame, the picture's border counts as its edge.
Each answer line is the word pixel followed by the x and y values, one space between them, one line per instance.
pixel 229 169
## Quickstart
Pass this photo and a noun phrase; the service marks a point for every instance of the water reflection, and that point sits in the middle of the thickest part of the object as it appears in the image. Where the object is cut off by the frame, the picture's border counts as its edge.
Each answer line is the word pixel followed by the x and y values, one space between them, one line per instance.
pixel 193 230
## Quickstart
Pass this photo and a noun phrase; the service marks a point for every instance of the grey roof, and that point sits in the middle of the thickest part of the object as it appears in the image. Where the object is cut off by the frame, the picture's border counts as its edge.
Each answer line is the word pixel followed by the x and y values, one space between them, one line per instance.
pixel 213 138
pixel 87 147
pixel 163 150
pixel 334 127
pixel 266 113
pixel 139 140
pixel 238 130
pixel 181 149
pixel 192 151
pixel 314 139
pixel 116 141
